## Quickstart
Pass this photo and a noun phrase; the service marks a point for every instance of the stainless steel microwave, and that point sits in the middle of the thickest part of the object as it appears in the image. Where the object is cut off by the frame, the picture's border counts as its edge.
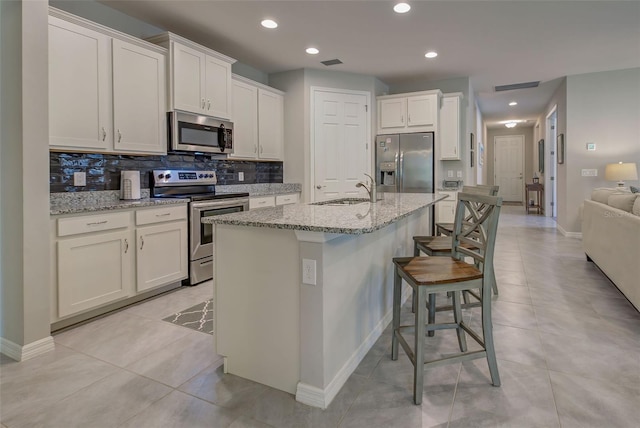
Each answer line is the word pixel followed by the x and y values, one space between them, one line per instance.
pixel 189 132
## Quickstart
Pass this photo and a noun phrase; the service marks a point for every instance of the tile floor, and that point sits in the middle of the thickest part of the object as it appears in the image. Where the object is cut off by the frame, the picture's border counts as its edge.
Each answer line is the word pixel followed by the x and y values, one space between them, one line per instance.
pixel 568 347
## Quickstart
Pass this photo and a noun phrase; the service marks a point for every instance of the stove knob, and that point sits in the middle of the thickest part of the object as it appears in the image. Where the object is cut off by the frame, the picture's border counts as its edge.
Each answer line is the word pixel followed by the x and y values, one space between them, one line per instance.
pixel 161 176
pixel 200 176
pixel 207 176
pixel 167 176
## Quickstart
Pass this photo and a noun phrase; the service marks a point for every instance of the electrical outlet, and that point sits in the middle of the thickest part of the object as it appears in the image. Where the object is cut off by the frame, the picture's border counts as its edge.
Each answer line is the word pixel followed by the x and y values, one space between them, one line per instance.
pixel 79 178
pixel 450 174
pixel 241 176
pixel 459 174
pixel 308 272
pixel 589 172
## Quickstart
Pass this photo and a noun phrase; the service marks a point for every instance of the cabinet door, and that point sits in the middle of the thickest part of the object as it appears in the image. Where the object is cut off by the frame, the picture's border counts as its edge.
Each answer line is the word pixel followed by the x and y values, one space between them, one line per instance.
pixel 270 125
pixel 393 112
pixel 446 211
pixel 162 254
pixel 262 202
pixel 245 120
pixel 79 87
pixel 421 110
pixel 138 99
pixel 93 270
pixel 218 88
pixel 188 79
pixel 450 129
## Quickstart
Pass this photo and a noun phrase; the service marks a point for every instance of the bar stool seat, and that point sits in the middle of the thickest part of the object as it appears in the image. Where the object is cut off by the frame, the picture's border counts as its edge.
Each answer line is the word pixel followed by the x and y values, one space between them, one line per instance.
pixel 474 236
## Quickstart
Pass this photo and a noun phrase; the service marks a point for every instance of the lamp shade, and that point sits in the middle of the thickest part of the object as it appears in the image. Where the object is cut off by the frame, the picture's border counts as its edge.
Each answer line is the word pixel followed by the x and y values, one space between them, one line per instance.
pixel 621 171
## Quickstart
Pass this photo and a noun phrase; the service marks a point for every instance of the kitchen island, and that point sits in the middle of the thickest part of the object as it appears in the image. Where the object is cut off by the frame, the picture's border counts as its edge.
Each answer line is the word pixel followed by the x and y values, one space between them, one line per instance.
pixel 303 291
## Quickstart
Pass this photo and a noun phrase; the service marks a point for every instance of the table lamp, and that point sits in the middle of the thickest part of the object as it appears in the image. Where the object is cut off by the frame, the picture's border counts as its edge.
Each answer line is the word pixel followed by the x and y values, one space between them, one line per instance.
pixel 620 172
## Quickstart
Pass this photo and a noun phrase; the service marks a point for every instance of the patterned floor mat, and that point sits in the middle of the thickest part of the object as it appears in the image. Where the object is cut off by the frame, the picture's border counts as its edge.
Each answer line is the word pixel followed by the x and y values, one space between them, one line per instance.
pixel 198 317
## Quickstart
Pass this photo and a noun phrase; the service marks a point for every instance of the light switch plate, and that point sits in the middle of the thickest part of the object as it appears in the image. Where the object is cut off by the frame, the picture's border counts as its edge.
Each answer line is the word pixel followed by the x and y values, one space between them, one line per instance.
pixel 589 172
pixel 591 146
pixel 79 178
pixel 450 174
pixel 459 174
pixel 241 176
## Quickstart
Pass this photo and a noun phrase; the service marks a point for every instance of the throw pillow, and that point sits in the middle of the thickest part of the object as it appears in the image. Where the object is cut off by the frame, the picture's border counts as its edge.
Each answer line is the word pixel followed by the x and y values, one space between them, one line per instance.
pixel 634 189
pixel 636 207
pixel 602 195
pixel 622 202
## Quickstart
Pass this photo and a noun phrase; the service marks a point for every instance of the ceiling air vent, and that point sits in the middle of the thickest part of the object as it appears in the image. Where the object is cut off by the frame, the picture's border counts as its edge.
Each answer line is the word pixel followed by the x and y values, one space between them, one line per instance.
pixel 331 62
pixel 517 86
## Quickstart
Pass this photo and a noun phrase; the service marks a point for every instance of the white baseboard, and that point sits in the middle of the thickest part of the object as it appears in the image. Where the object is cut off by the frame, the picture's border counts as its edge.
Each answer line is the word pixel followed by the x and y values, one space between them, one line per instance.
pixel 28 351
pixel 317 397
pixel 577 235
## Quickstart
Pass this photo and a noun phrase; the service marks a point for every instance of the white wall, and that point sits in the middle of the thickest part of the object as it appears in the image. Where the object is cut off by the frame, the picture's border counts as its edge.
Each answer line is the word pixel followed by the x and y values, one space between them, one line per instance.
pixel 602 108
pixel 24 171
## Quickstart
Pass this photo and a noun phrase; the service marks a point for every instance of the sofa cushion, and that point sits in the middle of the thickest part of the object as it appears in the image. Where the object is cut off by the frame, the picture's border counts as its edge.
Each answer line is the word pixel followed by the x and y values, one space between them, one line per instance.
pixel 636 207
pixel 602 194
pixel 622 202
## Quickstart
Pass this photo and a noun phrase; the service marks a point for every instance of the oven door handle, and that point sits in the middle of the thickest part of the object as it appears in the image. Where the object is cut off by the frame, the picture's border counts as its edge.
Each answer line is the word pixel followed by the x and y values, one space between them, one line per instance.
pixel 227 203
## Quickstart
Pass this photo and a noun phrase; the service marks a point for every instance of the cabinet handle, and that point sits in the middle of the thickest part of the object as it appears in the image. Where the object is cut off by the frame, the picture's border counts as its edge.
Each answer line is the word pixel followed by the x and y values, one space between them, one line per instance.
pixel 319 187
pixel 141 242
pixel 255 149
pixel 402 119
pixel 409 119
pixel 96 223
pixel 126 245
pixel 104 134
pixel 261 149
pixel 163 215
pixel 119 136
pixel 203 103
pixel 208 104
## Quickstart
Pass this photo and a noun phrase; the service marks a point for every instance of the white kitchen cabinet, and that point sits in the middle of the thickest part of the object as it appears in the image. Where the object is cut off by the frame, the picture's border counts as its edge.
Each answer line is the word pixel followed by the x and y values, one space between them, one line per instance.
pixel 258 120
pixel 261 202
pixel 161 246
pixel 290 198
pixel 450 127
pixel 410 112
pixel 139 100
pixel 79 87
pixel 199 78
pixel 446 209
pixel 106 89
pixel 93 269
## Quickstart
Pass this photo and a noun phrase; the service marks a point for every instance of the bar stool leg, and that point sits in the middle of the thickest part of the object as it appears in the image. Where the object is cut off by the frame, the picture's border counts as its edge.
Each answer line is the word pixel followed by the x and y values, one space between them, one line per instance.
pixel 397 300
pixel 457 316
pixel 418 367
pixel 487 331
pixel 432 312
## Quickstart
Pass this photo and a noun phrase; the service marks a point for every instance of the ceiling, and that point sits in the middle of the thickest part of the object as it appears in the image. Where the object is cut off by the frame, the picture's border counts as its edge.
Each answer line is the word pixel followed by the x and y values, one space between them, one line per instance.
pixel 491 42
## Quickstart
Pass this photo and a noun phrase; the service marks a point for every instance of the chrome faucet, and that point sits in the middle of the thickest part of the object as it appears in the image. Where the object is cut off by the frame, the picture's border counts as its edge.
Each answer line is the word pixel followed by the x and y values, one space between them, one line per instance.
pixel 371 189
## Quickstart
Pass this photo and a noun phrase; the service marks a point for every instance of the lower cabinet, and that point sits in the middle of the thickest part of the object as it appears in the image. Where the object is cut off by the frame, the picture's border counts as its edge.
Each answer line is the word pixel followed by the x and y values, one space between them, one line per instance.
pixel 101 258
pixel 93 270
pixel 161 254
pixel 272 201
pixel 446 211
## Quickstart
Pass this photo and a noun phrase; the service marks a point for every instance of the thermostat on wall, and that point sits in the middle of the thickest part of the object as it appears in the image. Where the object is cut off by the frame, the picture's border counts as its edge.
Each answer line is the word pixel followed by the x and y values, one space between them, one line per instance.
pixel 591 146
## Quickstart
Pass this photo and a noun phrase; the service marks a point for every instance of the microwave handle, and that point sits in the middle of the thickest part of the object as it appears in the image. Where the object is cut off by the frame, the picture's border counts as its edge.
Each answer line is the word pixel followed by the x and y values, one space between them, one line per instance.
pixel 222 137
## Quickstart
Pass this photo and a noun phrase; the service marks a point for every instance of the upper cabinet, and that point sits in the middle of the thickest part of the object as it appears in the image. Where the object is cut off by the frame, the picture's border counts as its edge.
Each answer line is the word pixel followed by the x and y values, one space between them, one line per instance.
pixel 199 78
pixel 411 112
pixel 258 120
pixel 450 127
pixel 106 89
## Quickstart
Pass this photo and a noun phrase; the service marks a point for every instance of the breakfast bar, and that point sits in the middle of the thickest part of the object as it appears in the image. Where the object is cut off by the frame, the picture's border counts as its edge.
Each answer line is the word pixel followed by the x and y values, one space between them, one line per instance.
pixel 303 291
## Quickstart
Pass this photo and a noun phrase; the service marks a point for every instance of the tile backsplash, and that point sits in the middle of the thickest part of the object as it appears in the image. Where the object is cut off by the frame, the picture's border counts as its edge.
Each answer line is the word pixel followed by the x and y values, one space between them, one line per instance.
pixel 103 170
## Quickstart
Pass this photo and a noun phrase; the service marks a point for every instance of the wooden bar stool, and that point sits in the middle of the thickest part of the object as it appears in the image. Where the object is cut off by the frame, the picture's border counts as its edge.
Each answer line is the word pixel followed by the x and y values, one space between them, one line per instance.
pixel 474 238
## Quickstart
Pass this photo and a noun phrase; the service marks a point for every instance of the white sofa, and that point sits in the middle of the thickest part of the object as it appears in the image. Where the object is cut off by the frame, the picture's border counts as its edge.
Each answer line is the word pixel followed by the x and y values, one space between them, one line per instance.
pixel 611 238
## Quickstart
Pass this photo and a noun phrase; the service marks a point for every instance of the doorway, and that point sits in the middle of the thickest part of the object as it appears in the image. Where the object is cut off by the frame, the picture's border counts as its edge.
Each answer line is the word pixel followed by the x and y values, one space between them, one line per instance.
pixel 509 166
pixel 340 135
pixel 550 182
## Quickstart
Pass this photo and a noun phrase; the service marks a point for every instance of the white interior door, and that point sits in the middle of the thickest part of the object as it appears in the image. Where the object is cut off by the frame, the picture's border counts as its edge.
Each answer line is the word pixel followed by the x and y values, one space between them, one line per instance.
pixel 509 166
pixel 340 140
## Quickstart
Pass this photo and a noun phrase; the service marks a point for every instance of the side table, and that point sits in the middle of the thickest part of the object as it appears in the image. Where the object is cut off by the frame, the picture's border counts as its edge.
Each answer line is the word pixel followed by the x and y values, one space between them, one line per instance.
pixel 539 190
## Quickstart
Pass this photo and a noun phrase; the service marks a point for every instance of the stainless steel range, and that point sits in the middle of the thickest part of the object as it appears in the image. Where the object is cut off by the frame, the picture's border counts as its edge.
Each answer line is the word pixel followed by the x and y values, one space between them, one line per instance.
pixel 200 188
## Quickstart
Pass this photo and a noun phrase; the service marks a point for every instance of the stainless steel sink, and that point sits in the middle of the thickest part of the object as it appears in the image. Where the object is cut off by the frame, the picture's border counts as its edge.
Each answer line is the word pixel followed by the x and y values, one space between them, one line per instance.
pixel 343 201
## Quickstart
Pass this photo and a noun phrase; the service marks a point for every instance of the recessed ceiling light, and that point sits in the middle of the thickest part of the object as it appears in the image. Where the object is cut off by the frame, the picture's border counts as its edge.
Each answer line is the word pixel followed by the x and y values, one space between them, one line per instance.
pixel 431 54
pixel 510 124
pixel 312 51
pixel 402 8
pixel 269 23
pixel 513 103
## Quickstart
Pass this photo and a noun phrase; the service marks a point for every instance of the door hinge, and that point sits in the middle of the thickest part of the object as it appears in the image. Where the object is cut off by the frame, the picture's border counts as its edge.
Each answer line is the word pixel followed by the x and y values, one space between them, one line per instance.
pixel 366 145
pixel 366 108
pixel 552 178
pixel 552 204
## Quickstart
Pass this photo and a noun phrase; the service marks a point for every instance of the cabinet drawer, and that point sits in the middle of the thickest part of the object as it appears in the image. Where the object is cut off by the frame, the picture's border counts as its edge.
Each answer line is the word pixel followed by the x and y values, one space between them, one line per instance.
pixel 261 202
pixel 287 199
pixel 92 223
pixel 159 215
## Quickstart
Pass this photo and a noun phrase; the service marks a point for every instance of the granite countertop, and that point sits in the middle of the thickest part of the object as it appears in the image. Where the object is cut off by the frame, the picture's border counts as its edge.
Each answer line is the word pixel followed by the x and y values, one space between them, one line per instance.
pixel 260 189
pixel 347 219
pixel 93 206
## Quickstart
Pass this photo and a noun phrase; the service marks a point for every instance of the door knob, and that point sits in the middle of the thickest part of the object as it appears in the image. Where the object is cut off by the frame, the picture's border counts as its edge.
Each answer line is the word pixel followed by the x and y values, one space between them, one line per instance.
pixel 319 187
